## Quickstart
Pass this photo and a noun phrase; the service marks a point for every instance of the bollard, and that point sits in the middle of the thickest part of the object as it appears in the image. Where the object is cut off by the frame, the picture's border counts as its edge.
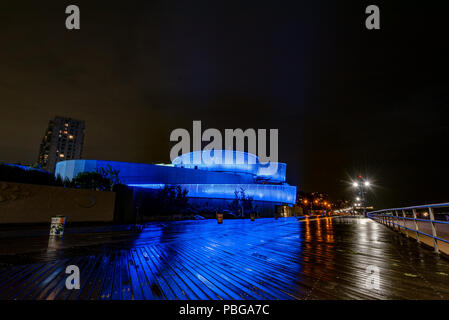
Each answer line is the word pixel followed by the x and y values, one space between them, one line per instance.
pixel 220 218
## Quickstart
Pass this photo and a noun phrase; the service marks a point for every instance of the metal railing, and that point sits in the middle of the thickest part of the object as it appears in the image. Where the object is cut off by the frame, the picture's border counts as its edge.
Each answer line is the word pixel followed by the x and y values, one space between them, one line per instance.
pixel 391 218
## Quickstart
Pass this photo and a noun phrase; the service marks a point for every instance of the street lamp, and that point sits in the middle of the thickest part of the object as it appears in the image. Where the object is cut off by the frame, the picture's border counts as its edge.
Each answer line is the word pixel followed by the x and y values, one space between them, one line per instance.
pixel 360 186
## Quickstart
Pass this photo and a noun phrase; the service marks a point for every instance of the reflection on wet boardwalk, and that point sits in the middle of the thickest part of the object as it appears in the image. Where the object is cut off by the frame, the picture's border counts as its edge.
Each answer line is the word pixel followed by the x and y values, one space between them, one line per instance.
pixel 266 259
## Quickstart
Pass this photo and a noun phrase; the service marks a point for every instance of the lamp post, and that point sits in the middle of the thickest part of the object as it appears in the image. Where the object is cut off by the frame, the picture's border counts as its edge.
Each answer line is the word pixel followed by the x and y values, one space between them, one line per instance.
pixel 361 184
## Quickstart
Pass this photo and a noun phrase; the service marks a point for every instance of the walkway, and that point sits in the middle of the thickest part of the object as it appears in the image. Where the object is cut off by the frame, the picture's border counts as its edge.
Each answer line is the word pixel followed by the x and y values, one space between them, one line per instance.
pixel 325 258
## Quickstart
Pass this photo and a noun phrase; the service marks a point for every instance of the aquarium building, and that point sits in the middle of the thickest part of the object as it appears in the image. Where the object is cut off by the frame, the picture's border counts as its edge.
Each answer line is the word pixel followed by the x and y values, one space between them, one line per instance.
pixel 212 175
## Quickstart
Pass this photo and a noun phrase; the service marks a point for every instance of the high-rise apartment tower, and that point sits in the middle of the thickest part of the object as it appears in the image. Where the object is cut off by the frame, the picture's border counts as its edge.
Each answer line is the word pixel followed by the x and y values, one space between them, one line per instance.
pixel 63 140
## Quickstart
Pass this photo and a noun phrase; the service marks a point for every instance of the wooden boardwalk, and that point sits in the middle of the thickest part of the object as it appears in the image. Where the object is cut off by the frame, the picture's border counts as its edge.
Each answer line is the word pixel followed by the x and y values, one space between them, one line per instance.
pixel 266 259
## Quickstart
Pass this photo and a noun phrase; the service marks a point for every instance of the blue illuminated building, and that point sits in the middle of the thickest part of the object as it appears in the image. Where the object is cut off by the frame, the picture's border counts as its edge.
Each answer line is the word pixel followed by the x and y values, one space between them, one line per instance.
pixel 206 175
pixel 27 168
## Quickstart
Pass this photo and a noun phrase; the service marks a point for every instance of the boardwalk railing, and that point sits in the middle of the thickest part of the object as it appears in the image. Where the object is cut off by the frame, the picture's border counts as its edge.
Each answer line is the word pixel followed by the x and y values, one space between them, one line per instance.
pixel 408 220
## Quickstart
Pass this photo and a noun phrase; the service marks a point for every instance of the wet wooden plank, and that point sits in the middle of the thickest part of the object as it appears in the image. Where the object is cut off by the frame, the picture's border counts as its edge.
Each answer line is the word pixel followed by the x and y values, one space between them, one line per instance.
pixel 162 271
pixel 265 259
pixel 136 287
pixel 188 292
pixel 99 278
pixel 252 282
pixel 106 289
pixel 16 274
pixel 20 288
pixel 86 289
pixel 189 278
pixel 53 283
pixel 125 283
pixel 144 282
pixel 157 282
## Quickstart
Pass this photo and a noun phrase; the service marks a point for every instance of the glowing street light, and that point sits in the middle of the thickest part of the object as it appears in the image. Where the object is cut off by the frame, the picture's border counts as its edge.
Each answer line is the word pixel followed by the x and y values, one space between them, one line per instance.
pixel 360 184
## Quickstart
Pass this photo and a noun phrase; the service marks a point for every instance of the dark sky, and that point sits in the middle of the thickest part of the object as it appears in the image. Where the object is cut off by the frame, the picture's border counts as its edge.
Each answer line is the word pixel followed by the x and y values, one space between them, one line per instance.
pixel 345 99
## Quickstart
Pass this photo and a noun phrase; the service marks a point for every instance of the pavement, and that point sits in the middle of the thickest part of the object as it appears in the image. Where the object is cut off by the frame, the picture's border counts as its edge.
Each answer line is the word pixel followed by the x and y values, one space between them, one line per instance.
pixel 338 258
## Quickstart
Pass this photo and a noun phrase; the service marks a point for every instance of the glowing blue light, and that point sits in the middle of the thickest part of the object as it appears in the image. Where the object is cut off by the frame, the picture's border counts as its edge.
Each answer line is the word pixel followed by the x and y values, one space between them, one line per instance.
pixel 259 192
pixel 219 161
pixel 201 180
pixel 232 162
pixel 27 168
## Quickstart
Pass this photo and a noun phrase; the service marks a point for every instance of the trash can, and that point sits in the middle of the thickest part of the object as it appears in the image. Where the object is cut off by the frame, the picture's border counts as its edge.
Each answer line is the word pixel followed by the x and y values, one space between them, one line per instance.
pixel 220 217
pixel 57 226
pixel 253 216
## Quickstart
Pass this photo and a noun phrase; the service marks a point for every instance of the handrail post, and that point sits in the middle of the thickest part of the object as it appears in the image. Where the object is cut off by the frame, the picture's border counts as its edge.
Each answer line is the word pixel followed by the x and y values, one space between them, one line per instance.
pixel 393 215
pixel 416 225
pixel 405 223
pixel 392 220
pixel 434 230
pixel 397 220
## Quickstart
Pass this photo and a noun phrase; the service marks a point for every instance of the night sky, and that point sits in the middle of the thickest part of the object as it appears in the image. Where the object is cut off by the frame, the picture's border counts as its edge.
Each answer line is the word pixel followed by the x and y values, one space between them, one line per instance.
pixel 345 100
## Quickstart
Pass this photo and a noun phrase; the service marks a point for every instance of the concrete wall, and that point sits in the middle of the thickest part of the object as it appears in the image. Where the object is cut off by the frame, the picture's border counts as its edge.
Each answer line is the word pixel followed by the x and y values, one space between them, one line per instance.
pixel 28 203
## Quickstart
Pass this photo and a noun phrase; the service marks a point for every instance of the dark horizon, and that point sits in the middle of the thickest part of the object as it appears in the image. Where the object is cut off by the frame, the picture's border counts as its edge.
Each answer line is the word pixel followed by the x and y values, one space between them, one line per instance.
pixel 345 100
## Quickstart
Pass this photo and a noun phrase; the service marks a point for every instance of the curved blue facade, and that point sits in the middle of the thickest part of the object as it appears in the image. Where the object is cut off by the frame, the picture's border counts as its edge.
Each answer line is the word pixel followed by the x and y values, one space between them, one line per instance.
pixel 140 173
pixel 202 179
pixel 219 161
pixel 233 162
